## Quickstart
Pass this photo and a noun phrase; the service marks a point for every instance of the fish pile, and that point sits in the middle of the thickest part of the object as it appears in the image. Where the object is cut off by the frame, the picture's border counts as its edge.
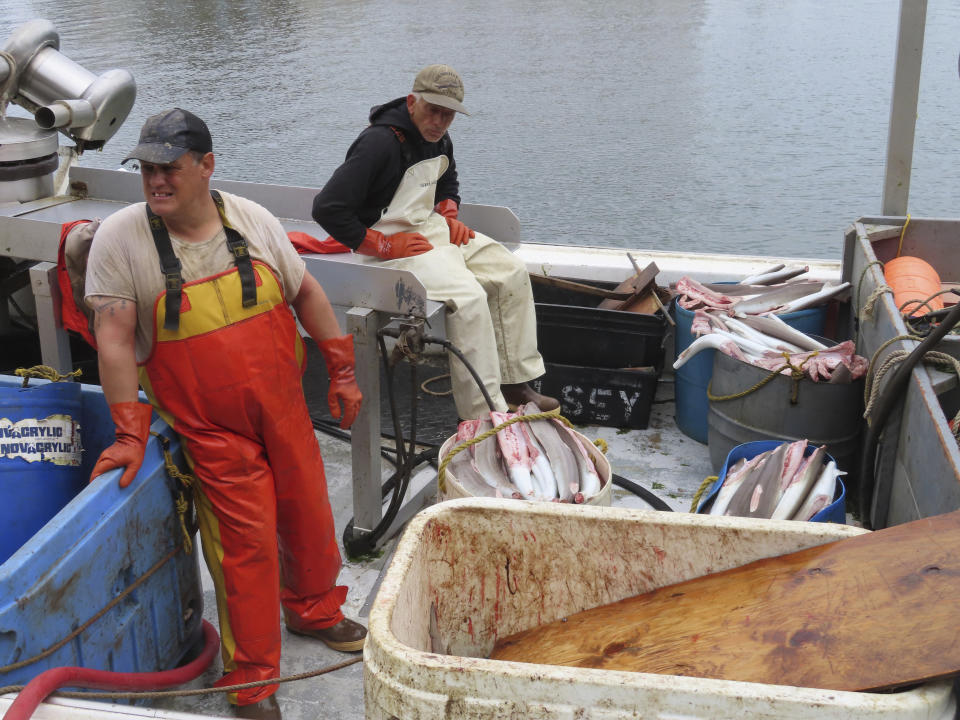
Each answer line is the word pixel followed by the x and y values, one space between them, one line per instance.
pixel 786 483
pixel 758 294
pixel 537 460
pixel 742 321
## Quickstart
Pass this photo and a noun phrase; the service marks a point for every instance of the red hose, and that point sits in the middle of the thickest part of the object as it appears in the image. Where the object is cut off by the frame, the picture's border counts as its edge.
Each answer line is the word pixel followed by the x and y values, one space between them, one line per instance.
pixel 48 681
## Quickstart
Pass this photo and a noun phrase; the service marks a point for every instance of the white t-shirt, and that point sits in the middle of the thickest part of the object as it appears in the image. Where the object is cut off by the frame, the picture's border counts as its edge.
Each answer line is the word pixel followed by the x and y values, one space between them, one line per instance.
pixel 124 262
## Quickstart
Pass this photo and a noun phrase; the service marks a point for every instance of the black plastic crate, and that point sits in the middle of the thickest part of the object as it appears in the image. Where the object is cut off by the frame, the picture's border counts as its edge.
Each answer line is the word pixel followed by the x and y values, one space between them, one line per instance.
pixel 601 396
pixel 591 337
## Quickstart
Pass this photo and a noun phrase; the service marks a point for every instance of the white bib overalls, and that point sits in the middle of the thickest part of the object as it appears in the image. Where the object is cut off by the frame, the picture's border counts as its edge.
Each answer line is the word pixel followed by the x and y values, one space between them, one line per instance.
pixel 490 312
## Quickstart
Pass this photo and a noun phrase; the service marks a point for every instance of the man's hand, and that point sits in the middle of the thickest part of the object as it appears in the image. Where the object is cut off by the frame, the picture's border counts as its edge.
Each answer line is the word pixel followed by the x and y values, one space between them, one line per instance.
pixel 132 421
pixel 460 234
pixel 343 390
pixel 392 247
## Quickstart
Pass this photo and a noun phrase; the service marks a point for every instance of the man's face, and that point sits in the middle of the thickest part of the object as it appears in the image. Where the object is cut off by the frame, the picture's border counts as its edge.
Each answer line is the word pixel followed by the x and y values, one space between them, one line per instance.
pixel 431 120
pixel 172 187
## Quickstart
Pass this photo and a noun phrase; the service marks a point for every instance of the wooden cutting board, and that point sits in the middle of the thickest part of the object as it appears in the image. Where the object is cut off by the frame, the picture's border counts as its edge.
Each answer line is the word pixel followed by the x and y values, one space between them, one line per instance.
pixel 872 612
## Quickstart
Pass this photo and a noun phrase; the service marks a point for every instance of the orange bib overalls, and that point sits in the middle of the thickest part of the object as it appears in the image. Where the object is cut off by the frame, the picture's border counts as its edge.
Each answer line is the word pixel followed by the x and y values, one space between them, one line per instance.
pixel 227 379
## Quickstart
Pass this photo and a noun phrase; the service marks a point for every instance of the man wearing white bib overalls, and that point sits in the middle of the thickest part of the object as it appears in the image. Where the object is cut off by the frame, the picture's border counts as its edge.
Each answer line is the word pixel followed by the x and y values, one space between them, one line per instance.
pixel 395 197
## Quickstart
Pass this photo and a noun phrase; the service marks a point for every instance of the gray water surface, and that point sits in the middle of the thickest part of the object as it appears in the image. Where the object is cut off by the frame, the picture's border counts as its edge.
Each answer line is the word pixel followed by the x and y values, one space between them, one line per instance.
pixel 713 125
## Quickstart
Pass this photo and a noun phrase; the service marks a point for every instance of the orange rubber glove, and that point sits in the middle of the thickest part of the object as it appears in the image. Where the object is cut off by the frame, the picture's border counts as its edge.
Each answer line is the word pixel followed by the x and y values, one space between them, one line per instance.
pixel 392 247
pixel 460 234
pixel 132 421
pixel 338 354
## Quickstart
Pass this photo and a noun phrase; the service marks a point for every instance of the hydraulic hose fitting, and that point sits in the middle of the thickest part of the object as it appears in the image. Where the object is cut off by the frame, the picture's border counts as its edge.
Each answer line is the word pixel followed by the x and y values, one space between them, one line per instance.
pixel 408 332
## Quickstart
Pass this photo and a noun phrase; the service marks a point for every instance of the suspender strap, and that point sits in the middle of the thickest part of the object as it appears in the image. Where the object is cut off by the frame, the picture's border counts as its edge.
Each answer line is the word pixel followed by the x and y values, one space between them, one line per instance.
pixel 241 255
pixel 171 268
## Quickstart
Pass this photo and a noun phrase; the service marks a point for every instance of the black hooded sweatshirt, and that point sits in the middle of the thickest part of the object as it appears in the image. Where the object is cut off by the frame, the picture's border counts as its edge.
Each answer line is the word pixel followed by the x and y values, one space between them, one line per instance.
pixel 359 191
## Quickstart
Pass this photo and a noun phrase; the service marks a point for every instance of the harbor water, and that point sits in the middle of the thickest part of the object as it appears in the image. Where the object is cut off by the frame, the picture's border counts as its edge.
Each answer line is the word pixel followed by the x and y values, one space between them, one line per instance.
pixel 714 125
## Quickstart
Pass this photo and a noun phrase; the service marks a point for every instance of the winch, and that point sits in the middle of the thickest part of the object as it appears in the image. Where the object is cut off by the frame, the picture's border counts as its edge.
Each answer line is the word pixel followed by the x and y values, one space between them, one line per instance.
pixel 63 96
pixel 28 159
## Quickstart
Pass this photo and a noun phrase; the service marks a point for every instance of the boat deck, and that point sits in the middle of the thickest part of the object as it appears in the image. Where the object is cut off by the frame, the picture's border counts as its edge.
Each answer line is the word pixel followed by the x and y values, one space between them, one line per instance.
pixel 659 458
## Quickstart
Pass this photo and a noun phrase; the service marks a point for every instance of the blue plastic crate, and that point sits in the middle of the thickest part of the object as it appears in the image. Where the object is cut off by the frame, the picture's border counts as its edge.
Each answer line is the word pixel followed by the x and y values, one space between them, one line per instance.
pixel 96 546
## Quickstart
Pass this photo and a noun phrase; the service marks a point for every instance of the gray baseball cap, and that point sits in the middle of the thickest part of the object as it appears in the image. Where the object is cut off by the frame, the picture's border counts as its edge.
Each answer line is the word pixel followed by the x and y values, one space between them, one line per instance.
pixel 441 85
pixel 168 135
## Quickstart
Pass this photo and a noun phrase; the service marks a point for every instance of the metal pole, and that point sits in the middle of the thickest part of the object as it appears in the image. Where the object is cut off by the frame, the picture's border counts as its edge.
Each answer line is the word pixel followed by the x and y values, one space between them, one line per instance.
pixel 903 107
pixel 362 323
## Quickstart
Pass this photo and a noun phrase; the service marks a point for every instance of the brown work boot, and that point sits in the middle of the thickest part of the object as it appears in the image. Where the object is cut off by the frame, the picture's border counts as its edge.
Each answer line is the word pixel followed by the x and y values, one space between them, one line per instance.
pixel 345 636
pixel 266 709
pixel 522 393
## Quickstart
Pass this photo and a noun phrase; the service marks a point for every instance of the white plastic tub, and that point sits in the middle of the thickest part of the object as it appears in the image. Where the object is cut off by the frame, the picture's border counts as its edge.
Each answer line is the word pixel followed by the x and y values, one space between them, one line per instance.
pixel 467 572
pixel 449 488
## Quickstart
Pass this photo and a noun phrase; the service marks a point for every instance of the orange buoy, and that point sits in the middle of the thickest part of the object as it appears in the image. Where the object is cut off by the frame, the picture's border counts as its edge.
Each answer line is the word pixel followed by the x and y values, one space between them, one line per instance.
pixel 913 280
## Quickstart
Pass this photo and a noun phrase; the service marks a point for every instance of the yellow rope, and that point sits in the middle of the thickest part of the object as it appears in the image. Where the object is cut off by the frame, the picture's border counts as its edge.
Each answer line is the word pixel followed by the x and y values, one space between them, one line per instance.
pixel 181 502
pixel 44 372
pixel 903 230
pixel 708 482
pixel 442 471
pixel 796 374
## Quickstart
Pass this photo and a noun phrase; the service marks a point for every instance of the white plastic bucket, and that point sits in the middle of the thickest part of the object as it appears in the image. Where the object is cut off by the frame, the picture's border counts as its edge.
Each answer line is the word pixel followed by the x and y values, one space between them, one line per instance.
pixel 449 488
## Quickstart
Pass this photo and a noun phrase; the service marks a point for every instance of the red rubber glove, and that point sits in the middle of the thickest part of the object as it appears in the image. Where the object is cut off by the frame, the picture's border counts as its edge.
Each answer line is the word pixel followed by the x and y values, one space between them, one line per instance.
pixel 460 234
pixel 132 421
pixel 392 247
pixel 338 354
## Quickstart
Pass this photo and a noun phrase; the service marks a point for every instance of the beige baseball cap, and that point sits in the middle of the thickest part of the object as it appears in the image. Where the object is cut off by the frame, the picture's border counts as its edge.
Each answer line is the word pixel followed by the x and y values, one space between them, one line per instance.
pixel 441 85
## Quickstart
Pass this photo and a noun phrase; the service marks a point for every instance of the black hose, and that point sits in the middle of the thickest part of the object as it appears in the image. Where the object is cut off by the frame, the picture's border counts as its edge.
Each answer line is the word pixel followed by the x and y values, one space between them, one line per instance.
pixel 890 394
pixel 365 543
pixel 641 492
pixel 406 460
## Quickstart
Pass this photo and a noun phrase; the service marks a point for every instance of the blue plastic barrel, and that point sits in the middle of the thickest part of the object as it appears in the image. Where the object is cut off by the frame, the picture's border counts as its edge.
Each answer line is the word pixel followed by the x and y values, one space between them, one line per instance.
pixel 40 457
pixel 692 379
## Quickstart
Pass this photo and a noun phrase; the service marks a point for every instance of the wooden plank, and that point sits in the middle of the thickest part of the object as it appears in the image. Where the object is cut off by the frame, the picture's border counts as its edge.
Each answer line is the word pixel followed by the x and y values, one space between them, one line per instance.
pixel 872 612
pixel 636 285
pixel 580 287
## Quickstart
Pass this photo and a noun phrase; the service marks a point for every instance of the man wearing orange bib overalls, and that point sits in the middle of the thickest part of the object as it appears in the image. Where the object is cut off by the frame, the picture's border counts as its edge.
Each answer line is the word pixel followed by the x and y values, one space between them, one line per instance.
pixel 191 293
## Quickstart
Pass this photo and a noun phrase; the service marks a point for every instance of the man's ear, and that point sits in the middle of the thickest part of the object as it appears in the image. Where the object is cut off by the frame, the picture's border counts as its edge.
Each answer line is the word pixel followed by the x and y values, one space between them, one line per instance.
pixel 207 164
pixel 411 101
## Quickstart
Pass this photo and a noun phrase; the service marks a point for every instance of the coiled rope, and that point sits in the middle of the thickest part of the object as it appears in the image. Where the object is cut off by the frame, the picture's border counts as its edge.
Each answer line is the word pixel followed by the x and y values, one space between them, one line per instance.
pixel 878 291
pixel 424 386
pixel 941 360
